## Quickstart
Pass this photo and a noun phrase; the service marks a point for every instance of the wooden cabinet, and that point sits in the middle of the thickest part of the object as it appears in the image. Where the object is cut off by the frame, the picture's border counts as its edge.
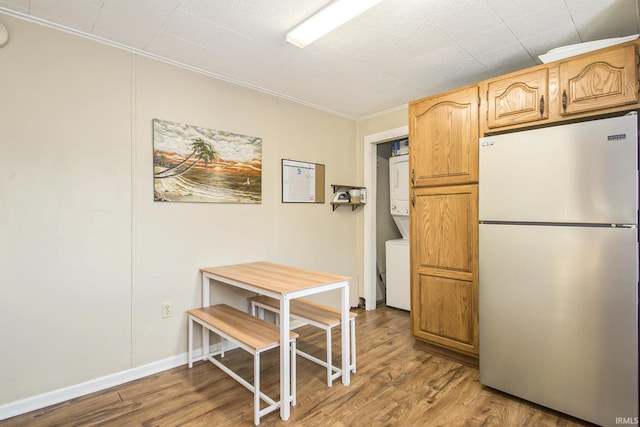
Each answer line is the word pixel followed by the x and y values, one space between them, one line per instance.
pixel 600 80
pixel 444 297
pixel 519 98
pixel 443 132
pixel 443 161
pixel 443 157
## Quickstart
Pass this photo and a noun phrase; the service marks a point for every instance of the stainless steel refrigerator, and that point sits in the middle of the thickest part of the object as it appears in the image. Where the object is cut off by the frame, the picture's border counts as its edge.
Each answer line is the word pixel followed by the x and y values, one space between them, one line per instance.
pixel 558 252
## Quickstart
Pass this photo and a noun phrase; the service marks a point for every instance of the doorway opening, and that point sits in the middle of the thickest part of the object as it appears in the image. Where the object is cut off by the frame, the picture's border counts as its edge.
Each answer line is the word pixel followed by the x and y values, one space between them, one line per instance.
pixel 371 238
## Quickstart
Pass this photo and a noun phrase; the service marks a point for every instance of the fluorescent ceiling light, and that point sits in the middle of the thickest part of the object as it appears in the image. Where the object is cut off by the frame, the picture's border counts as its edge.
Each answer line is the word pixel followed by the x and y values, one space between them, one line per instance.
pixel 328 19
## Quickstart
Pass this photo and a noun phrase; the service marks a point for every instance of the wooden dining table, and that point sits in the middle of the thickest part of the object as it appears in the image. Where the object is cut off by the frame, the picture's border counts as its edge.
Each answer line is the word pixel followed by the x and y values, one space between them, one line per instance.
pixel 283 283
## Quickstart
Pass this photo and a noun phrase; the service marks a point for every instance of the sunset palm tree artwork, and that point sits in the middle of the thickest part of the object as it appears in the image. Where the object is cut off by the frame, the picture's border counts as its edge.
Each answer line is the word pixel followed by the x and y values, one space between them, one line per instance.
pixel 202 150
pixel 196 164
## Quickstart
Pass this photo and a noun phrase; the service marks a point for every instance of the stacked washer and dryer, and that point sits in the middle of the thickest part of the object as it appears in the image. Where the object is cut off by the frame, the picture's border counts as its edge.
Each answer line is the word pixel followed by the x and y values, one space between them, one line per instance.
pixel 397 250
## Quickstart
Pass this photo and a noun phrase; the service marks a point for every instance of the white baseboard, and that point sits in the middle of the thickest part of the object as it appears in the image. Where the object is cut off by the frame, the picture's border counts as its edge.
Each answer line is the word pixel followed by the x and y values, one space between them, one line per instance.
pixel 40 401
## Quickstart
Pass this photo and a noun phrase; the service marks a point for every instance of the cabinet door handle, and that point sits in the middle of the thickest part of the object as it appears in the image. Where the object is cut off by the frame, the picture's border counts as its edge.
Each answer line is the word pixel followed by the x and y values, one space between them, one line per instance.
pixel 413 177
pixel 413 199
pixel 564 100
pixel 542 105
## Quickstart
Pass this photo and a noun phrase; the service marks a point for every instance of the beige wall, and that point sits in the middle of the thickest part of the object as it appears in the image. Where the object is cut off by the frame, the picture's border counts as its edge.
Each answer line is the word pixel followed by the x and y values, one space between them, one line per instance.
pixel 65 210
pixel 380 123
pixel 383 122
pixel 86 256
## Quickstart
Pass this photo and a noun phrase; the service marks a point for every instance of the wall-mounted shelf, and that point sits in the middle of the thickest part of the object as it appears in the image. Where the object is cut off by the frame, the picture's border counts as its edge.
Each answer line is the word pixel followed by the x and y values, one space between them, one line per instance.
pixel 354 201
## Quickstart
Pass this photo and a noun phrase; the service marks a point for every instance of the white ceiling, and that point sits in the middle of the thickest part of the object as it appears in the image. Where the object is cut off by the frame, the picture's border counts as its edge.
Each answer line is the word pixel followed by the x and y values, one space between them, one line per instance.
pixel 397 51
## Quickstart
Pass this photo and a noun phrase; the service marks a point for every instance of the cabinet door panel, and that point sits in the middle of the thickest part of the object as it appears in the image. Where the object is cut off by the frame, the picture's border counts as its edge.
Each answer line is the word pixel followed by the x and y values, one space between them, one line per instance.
pixel 444 139
pixel 449 317
pixel 444 266
pixel 599 81
pixel 518 99
pixel 444 224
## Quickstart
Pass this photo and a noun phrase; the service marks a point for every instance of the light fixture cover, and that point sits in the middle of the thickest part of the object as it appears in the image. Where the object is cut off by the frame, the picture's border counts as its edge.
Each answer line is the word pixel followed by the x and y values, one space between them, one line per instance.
pixel 4 35
pixel 327 19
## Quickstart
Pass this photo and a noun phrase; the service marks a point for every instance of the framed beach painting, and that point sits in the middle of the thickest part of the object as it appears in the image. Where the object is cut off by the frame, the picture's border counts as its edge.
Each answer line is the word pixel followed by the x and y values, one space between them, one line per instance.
pixel 196 164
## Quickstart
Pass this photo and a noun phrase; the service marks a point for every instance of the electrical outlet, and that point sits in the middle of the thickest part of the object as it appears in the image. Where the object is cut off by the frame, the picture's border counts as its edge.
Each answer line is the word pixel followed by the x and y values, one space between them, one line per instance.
pixel 167 310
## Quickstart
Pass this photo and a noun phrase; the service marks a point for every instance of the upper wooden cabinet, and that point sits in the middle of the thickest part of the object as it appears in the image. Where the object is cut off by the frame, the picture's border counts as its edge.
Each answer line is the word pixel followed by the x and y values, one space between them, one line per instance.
pixel 521 98
pixel 443 132
pixel 597 81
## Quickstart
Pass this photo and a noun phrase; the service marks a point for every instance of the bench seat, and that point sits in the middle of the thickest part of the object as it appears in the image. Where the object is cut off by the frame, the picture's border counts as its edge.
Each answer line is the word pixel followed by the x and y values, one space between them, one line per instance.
pixel 249 333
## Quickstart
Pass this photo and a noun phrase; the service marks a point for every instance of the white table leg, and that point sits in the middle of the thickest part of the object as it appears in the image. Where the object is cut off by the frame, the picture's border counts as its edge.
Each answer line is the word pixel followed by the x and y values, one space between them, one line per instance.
pixel 206 283
pixel 285 372
pixel 346 371
pixel 190 351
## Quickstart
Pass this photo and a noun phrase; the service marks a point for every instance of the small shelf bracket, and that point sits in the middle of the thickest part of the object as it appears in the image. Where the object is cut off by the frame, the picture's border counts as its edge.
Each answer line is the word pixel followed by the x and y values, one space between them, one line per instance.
pixel 354 206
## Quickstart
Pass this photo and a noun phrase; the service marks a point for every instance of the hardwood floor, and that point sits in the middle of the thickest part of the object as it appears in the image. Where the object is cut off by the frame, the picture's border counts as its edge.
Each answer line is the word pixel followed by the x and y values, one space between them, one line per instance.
pixel 395 385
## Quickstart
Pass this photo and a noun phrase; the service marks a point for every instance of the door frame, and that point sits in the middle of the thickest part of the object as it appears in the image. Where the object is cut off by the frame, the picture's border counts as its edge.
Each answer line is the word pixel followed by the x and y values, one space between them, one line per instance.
pixel 370 178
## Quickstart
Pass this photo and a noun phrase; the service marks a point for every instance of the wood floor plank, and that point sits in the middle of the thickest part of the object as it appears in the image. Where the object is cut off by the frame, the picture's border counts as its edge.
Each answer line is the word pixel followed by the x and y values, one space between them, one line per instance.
pixel 395 384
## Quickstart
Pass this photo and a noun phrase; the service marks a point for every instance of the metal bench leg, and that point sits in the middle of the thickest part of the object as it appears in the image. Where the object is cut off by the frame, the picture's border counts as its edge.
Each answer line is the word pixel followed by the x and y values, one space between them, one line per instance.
pixel 206 349
pixel 329 361
pixel 257 311
pixel 353 344
pixel 293 373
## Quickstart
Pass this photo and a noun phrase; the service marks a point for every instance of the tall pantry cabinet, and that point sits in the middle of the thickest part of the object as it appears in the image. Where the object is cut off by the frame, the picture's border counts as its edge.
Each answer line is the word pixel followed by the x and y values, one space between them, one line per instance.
pixel 443 156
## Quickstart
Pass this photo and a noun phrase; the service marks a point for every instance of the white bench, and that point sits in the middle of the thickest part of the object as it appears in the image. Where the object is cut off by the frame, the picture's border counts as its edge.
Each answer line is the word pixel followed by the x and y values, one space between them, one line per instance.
pixel 252 335
pixel 318 315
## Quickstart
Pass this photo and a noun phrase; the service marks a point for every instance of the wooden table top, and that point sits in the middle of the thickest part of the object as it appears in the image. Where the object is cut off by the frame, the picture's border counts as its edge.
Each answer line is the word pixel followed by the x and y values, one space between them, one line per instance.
pixel 275 277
